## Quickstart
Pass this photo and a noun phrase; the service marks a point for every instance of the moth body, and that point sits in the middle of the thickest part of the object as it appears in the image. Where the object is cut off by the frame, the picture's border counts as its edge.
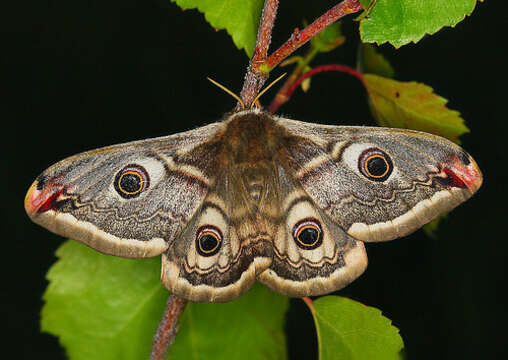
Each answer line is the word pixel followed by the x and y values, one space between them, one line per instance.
pixel 254 197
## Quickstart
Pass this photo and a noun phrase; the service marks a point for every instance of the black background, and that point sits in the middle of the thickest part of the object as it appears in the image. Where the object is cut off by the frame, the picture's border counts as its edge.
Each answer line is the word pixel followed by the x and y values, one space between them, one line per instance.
pixel 80 75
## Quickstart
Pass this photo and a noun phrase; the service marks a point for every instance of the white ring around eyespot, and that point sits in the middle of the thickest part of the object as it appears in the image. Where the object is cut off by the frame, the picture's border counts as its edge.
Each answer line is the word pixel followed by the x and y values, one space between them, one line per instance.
pixel 305 223
pixel 154 168
pixel 352 153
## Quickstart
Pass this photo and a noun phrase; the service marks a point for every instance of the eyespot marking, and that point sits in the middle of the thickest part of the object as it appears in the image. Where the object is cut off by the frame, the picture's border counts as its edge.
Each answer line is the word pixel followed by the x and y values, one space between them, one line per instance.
pixel 208 240
pixel 131 181
pixel 375 164
pixel 308 234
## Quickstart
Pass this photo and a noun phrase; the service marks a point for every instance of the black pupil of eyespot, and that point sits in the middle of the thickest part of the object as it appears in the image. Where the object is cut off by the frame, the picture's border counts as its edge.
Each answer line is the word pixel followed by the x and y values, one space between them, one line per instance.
pixel 208 243
pixel 377 166
pixel 308 236
pixel 130 183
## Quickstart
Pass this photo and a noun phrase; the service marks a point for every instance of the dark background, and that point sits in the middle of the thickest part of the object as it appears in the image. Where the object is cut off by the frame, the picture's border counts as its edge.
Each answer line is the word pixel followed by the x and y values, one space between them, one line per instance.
pixel 80 75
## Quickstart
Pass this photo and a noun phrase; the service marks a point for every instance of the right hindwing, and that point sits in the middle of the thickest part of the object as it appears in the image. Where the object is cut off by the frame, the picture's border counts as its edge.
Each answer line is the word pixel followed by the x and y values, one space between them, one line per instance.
pixel 311 255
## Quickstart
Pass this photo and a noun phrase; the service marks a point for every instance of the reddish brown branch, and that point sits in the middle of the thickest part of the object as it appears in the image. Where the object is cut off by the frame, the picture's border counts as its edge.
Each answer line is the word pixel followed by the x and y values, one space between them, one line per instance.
pixel 168 327
pixel 260 65
pixel 301 37
pixel 264 36
pixel 285 92
pixel 254 78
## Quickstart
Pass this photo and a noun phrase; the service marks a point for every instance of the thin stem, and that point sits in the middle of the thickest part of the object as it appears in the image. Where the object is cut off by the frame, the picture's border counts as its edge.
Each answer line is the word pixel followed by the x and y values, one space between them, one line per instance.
pixel 260 66
pixel 298 38
pixel 281 96
pixel 287 90
pixel 168 327
pixel 254 79
pixel 264 36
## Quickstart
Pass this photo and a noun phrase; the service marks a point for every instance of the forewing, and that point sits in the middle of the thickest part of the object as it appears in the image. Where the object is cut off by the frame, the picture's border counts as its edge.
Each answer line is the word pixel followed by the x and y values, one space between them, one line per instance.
pixel 87 197
pixel 428 176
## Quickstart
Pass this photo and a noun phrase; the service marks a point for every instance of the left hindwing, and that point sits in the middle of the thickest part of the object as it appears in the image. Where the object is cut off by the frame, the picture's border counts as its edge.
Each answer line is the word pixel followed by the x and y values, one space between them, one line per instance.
pixel 375 183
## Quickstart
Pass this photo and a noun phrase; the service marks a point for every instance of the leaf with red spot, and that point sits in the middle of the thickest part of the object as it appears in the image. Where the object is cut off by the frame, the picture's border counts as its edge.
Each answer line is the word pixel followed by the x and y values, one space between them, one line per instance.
pixel 370 61
pixel 412 105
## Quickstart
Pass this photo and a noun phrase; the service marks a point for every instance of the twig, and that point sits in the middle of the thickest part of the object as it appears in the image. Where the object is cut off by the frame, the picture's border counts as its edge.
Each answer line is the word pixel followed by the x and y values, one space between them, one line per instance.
pixel 264 36
pixel 260 65
pixel 289 88
pixel 254 79
pixel 168 327
pixel 301 37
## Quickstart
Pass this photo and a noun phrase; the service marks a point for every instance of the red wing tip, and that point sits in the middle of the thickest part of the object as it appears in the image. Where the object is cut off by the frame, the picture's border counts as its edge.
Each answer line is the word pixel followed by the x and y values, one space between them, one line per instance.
pixel 463 171
pixel 38 201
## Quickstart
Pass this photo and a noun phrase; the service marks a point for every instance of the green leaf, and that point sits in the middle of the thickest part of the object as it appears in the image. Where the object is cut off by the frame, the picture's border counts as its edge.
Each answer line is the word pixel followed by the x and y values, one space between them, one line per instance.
pixel 328 39
pixel 402 21
pixel 105 307
pixel 240 18
pixel 349 330
pixel 412 105
pixel 305 85
pixel 250 327
pixel 431 228
pixel 370 61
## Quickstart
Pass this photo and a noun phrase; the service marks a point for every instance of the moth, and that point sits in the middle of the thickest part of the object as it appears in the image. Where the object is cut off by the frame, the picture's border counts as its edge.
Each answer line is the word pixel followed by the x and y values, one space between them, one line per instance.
pixel 254 197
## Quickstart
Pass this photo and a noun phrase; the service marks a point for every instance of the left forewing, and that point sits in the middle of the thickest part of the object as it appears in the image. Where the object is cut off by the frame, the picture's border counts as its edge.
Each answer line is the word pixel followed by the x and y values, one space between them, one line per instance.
pixel 128 200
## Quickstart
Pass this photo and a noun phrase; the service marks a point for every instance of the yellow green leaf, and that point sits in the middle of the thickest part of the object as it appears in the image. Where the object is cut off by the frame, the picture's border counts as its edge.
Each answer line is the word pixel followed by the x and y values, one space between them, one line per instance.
pixel 431 228
pixel 412 105
pixel 370 61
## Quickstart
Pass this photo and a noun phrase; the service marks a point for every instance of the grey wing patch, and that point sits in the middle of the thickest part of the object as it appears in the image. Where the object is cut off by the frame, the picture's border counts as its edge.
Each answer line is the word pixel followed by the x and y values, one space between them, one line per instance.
pixel 318 262
pixel 79 196
pixel 429 176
